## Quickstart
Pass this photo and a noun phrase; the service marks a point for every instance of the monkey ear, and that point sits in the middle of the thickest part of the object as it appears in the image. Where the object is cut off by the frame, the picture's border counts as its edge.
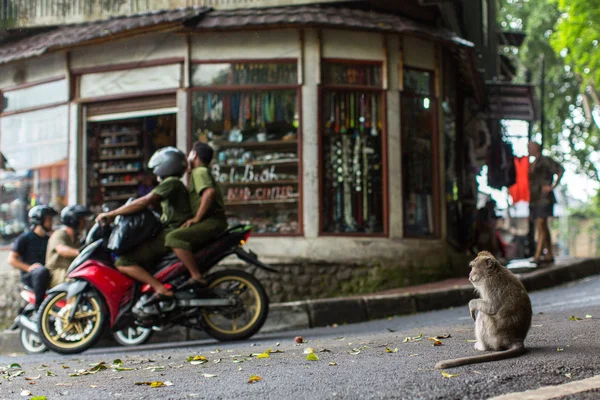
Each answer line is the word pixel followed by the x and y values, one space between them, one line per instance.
pixel 489 262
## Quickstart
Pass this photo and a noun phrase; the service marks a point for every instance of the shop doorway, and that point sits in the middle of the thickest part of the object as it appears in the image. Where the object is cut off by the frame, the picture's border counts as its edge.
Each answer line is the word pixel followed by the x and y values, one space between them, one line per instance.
pixel 117 154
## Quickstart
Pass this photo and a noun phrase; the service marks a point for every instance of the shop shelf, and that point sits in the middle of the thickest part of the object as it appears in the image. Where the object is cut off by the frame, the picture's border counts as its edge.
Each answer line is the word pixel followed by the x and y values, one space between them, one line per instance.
pixel 119 197
pixel 118 184
pixel 253 183
pixel 113 134
pixel 118 145
pixel 123 157
pixel 120 171
pixel 261 202
pixel 257 145
pixel 274 162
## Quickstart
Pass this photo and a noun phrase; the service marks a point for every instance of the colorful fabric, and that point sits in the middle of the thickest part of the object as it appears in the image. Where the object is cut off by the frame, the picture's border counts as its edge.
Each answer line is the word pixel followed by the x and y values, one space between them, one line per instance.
pixel 520 190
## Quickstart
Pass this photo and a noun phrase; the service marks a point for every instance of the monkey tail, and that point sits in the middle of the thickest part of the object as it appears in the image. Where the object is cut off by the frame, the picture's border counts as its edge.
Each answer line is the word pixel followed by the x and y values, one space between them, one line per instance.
pixel 516 350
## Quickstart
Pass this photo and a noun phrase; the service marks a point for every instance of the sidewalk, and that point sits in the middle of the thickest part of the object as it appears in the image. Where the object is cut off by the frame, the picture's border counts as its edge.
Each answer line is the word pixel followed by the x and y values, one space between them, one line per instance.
pixel 408 300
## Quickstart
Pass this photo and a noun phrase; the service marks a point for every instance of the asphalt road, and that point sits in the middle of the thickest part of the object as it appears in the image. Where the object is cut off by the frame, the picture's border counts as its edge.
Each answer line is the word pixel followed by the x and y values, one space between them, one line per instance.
pixel 560 351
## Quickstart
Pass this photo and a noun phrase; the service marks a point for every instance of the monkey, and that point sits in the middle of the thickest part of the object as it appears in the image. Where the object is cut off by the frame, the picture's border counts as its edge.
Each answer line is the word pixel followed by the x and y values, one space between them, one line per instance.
pixel 504 312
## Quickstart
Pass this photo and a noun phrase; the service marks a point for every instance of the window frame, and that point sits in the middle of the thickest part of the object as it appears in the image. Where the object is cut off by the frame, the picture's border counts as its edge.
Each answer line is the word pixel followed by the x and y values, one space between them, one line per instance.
pixel 257 88
pixel 380 91
pixel 435 150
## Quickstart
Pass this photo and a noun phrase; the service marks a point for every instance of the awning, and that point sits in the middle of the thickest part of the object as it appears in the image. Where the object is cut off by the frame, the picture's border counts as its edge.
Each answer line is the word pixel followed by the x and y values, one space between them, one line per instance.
pixel 511 101
pixel 87 33
pixel 332 17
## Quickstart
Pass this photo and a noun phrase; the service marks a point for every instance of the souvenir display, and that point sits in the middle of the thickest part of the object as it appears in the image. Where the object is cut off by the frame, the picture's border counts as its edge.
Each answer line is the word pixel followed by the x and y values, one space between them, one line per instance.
pixel 118 152
pixel 352 74
pixel 353 187
pixel 418 132
pixel 255 136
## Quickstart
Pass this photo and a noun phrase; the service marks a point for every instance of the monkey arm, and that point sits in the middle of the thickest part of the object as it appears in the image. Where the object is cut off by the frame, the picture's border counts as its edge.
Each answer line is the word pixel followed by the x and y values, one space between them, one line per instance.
pixel 482 306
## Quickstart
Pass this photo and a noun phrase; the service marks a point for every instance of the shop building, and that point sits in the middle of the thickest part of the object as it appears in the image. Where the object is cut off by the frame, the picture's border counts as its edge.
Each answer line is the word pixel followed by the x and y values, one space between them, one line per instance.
pixel 346 137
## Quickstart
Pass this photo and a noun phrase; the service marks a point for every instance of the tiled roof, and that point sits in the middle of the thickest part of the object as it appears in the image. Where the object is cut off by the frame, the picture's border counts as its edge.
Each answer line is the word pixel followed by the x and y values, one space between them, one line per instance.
pixel 76 34
pixel 324 17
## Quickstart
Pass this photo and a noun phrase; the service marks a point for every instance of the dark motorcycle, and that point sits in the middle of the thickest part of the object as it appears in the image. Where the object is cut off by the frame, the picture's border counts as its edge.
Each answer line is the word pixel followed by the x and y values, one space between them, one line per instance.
pixel 96 295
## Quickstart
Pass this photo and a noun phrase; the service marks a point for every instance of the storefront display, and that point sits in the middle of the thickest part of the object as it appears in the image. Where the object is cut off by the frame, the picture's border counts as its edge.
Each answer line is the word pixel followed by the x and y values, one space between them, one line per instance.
pixel 256 138
pixel 352 195
pixel 118 152
pixel 419 153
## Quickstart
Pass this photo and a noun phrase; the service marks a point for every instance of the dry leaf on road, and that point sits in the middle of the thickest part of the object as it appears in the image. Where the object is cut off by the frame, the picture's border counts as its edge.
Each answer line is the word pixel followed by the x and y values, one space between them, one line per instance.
pixel 312 357
pixel 387 350
pixel 254 378
pixel 447 375
pixel 574 318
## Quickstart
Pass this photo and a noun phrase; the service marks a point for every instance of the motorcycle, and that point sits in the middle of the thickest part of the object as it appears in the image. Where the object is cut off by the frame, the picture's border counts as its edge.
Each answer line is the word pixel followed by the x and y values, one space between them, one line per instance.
pixel 96 295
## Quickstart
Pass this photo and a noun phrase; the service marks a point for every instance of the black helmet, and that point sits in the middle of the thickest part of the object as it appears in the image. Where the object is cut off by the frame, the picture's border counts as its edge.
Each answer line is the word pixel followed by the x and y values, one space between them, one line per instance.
pixel 70 215
pixel 168 161
pixel 38 213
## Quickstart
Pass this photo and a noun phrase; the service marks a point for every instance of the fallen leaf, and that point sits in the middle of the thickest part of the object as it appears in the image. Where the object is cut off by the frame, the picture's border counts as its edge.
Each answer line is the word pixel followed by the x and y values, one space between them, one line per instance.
pixel 122 369
pixel 325 351
pixel 39 398
pixel 63 384
pixel 254 378
pixel 390 330
pixel 395 350
pixel 197 360
pixel 569 375
pixel 574 318
pixel 559 349
pixel 14 366
pixel 309 350
pixel 536 326
pixel 471 341
pixel 239 368
pixel 413 355
pixel 418 337
pixel 435 340
pixel 118 362
pixel 447 375
pixel 33 378
pixel 443 336
pixel 299 339
pixel 277 344
pixel 312 357
pixel 238 361
pixel 26 393
pixel 588 316
pixel 156 368
pixel 154 384
pixel 65 367
pixel 99 367
pixel 340 338
pixel 332 364
pixel 209 375
pixel 275 351
pixel 217 360
pixel 94 386
pixel 49 373
pixel 263 355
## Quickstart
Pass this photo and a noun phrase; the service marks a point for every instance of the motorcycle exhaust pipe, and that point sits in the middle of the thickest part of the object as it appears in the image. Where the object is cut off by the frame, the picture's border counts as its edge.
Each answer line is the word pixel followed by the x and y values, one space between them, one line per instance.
pixel 28 324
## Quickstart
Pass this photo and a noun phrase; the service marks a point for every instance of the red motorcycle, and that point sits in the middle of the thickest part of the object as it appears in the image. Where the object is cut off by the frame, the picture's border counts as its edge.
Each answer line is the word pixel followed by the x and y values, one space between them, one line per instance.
pixel 96 295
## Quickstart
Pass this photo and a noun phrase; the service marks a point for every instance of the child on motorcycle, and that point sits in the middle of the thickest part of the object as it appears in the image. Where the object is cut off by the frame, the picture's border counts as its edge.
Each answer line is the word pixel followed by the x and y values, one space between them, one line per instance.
pixel 28 253
pixel 208 221
pixel 168 164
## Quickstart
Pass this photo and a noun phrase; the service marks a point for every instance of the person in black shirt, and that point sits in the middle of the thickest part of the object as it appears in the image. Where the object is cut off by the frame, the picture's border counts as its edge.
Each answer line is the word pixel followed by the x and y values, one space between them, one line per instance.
pixel 28 253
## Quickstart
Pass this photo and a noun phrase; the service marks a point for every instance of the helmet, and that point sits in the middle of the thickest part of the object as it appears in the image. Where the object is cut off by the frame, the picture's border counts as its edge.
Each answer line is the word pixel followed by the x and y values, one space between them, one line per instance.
pixel 70 215
pixel 168 161
pixel 38 213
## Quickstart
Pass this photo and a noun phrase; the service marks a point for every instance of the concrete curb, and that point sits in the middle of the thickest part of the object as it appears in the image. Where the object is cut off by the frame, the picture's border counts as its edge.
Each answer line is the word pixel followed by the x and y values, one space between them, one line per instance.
pixel 306 314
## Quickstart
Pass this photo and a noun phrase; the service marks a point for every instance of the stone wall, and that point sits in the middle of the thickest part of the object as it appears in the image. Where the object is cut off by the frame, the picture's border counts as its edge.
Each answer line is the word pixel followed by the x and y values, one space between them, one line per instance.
pixel 10 300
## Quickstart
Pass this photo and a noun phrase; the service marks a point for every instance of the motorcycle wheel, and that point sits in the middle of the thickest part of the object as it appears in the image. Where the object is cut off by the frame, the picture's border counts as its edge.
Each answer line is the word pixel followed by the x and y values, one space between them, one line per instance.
pixel 223 323
pixel 132 336
pixel 80 334
pixel 31 342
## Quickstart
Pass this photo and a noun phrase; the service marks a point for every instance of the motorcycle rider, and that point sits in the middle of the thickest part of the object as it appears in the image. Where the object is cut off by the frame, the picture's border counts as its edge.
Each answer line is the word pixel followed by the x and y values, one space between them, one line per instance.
pixel 209 219
pixel 64 243
pixel 28 253
pixel 168 164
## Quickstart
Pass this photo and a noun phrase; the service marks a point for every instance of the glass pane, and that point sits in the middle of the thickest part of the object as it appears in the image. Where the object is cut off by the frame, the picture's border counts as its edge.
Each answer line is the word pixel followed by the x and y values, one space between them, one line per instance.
pixel 418 122
pixel 35 96
pixel 255 135
pixel 131 81
pixel 418 82
pixel 245 74
pixel 34 166
pixel 352 163
pixel 352 74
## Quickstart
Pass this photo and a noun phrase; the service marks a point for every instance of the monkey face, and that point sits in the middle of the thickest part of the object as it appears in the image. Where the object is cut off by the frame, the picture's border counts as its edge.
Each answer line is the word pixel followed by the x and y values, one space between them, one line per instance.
pixel 481 267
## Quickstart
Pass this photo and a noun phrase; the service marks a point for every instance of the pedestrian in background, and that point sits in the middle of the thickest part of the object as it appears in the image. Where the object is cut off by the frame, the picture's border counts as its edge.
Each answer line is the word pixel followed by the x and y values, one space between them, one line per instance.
pixel 541 203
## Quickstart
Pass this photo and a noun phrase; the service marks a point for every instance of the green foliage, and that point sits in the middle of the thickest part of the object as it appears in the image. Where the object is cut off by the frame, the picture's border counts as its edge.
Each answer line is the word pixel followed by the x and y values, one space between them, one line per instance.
pixel 563 103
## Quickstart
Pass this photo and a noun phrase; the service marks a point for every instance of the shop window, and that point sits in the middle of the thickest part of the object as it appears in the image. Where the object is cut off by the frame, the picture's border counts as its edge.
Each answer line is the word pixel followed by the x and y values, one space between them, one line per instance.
pixel 256 140
pixel 33 167
pixel 351 150
pixel 36 96
pixel 419 154
pixel 118 152
pixel 245 74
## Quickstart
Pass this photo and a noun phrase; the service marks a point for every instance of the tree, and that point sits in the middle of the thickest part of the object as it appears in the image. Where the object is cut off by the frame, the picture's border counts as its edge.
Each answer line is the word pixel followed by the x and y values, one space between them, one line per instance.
pixel 565 107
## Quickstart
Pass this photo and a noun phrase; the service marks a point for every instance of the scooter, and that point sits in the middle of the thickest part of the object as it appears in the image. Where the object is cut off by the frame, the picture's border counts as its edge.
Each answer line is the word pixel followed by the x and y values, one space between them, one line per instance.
pixel 97 296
